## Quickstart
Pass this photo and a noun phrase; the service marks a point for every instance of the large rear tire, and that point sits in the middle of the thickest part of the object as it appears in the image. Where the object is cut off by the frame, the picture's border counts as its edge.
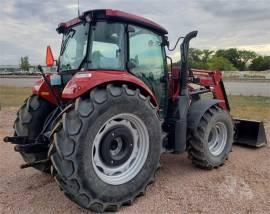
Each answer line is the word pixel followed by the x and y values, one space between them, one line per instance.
pixel 210 144
pixel 106 150
pixel 29 122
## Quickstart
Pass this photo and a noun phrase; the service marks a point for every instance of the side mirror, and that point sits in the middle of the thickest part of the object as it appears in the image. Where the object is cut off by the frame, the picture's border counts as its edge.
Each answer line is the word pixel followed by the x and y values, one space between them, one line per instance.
pixel 49 57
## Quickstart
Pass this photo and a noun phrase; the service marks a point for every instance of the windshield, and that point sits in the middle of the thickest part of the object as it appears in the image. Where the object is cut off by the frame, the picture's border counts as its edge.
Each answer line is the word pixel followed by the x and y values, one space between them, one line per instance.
pixel 73 50
pixel 107 46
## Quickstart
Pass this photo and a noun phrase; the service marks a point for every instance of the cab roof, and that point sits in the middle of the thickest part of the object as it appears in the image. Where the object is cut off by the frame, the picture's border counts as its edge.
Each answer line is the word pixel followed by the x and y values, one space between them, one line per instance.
pixel 116 15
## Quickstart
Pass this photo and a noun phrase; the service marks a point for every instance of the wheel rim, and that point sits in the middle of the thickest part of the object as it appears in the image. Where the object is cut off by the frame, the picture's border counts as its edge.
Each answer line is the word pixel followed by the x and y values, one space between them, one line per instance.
pixel 217 139
pixel 120 149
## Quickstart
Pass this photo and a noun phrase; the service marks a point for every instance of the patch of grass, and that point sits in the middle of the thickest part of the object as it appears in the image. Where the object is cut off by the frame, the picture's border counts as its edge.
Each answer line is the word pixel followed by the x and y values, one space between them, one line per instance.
pixel 257 108
pixel 13 96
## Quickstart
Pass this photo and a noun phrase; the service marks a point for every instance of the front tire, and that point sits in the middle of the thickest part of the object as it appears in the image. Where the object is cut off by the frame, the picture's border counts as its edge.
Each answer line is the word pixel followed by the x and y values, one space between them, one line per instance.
pixel 106 150
pixel 210 144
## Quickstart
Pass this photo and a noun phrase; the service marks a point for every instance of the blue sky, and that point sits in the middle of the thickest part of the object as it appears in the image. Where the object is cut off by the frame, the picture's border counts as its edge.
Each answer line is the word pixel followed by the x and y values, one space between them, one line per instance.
pixel 28 26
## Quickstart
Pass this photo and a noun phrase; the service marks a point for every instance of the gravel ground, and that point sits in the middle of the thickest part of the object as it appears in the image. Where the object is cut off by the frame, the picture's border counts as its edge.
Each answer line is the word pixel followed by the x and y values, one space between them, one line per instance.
pixel 240 186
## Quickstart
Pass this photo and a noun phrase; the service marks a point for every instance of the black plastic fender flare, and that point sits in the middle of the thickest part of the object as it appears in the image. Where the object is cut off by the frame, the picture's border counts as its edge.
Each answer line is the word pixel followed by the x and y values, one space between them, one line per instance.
pixel 197 110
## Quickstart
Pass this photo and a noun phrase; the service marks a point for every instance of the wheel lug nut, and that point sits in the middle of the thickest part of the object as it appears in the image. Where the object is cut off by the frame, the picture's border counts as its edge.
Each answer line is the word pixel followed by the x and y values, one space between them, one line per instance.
pixel 113 134
pixel 111 161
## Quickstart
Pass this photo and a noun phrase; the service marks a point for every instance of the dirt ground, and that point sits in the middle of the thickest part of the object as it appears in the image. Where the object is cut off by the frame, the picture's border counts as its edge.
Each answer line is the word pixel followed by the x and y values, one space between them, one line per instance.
pixel 240 186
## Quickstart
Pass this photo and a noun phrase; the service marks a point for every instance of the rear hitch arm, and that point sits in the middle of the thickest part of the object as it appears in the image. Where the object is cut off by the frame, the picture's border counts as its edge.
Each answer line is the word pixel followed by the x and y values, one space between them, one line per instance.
pixel 24 144
pixel 36 163
pixel 31 148
pixel 20 140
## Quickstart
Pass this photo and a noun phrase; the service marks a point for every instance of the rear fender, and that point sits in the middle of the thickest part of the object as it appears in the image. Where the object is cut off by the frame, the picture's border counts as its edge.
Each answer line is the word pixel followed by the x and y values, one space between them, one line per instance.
pixel 197 110
pixel 41 89
pixel 83 82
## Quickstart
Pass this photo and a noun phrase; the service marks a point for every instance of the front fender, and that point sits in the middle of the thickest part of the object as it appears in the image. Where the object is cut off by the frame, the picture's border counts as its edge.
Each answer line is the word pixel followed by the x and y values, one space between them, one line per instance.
pixel 83 82
pixel 197 110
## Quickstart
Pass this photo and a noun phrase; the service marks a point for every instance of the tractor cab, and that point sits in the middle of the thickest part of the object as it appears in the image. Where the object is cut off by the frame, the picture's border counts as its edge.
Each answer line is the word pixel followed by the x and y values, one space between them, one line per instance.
pixel 108 40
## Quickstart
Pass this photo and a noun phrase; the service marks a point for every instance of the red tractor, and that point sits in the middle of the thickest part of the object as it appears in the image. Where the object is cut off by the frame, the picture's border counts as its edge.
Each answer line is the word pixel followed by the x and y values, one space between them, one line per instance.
pixel 101 123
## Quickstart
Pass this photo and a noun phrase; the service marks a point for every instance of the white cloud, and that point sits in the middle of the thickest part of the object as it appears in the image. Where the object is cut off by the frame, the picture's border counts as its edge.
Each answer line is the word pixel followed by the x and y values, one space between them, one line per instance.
pixel 72 6
pixel 174 55
pixel 28 26
pixel 263 49
pixel 8 7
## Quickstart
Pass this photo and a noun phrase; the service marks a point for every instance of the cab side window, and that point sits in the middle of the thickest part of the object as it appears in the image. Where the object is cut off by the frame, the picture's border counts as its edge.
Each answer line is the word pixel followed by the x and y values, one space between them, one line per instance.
pixel 146 60
pixel 107 50
pixel 145 53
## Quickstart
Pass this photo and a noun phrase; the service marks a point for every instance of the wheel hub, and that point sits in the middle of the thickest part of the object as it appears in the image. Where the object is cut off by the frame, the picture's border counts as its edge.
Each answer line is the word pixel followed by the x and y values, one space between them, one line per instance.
pixel 120 149
pixel 217 139
pixel 116 146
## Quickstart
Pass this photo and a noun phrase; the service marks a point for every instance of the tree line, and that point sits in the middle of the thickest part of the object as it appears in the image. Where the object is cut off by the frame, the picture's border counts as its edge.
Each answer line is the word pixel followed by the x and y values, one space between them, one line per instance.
pixel 224 60
pixel 24 63
pixel 228 60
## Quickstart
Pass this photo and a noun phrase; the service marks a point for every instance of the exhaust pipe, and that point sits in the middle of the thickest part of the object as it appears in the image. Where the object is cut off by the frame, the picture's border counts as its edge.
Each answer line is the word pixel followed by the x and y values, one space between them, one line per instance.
pixel 183 101
pixel 184 62
pixel 249 133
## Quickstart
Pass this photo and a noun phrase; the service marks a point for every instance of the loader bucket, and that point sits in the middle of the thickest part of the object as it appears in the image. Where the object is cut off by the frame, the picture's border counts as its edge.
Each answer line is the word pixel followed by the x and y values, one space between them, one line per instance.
pixel 250 133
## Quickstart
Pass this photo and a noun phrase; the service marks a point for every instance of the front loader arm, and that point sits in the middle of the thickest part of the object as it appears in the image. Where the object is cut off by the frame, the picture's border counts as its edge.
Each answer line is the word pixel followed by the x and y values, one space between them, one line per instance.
pixel 247 132
pixel 212 82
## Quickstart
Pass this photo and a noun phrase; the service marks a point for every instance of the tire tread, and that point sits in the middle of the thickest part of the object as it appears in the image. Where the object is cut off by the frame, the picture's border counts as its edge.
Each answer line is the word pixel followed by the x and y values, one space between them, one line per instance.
pixel 196 142
pixel 97 97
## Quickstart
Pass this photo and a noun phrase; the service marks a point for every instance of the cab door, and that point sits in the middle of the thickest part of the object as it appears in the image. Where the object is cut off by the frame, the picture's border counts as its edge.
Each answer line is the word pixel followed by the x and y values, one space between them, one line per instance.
pixel 146 61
